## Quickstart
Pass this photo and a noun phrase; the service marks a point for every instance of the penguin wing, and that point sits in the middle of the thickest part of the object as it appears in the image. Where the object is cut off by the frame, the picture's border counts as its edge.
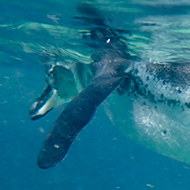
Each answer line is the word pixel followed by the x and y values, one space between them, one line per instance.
pixel 74 117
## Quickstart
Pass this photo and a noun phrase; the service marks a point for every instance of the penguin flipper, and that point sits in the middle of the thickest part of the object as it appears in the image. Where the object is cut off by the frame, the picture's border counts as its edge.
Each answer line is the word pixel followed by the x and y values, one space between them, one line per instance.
pixel 74 117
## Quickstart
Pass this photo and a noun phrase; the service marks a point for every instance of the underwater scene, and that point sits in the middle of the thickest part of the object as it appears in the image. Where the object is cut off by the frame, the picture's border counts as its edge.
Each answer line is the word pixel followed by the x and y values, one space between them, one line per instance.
pixel 95 95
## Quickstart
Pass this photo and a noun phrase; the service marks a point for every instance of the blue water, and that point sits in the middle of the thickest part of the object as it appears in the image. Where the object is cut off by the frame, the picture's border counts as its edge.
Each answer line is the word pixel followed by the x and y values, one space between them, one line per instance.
pixel 101 158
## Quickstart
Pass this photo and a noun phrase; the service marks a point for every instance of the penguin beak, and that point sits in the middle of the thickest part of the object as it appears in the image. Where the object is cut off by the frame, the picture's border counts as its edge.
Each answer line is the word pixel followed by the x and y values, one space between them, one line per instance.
pixel 44 103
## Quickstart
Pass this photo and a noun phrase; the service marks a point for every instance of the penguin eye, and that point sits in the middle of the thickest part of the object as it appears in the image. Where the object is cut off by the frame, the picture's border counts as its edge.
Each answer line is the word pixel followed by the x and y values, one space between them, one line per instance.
pixel 108 40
